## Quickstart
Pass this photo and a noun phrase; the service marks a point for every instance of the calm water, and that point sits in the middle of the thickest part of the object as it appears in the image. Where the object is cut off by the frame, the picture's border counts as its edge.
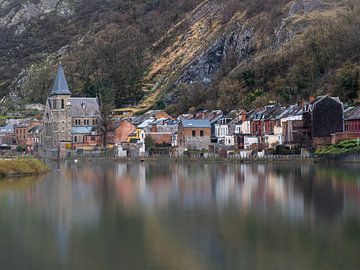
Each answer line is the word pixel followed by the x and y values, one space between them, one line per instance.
pixel 107 215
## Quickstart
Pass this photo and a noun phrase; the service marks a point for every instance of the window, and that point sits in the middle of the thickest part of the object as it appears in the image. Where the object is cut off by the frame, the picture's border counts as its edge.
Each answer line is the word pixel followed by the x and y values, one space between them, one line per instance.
pixel 75 139
pixel 62 104
pixel 201 133
pixel 93 138
pixel 193 133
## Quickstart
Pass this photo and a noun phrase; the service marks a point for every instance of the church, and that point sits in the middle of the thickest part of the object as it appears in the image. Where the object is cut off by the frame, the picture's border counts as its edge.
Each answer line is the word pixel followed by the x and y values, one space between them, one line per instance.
pixel 70 122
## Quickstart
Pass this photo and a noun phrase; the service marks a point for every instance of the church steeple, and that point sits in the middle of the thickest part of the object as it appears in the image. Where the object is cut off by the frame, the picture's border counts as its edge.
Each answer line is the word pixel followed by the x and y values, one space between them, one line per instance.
pixel 60 85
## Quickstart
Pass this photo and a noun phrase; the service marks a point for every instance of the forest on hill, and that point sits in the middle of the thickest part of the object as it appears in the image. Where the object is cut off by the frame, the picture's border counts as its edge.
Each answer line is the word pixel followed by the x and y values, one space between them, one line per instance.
pixel 180 55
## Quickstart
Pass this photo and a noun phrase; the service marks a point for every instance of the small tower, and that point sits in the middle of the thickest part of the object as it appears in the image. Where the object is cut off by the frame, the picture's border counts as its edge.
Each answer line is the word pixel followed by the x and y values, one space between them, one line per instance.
pixel 58 111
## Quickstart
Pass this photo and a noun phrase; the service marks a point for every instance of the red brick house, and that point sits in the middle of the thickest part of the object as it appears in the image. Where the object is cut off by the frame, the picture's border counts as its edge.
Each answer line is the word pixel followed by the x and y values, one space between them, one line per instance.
pixel 352 119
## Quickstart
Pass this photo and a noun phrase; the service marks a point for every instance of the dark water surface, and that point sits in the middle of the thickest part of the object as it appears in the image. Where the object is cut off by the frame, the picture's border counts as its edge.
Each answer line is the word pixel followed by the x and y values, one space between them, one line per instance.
pixel 108 215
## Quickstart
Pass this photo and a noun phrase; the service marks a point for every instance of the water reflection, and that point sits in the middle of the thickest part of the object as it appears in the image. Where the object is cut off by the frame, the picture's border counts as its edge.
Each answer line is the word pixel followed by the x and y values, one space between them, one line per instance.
pixel 108 215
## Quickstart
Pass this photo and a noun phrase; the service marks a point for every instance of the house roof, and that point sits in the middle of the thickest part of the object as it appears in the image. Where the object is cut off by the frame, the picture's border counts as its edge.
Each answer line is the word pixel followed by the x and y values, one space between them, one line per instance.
pixel 82 130
pixel 60 85
pixel 36 129
pixel 310 106
pixel 212 116
pixel 196 123
pixel 352 113
pixel 146 123
pixel 9 128
pixel 84 107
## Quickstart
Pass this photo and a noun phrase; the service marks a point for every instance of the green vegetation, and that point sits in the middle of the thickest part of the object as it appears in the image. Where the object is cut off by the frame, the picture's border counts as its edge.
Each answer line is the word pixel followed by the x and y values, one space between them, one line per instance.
pixel 22 166
pixel 344 147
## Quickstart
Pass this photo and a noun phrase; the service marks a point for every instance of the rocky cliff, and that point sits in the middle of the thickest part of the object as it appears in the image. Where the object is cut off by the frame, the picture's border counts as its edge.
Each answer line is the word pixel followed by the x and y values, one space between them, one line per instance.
pixel 211 43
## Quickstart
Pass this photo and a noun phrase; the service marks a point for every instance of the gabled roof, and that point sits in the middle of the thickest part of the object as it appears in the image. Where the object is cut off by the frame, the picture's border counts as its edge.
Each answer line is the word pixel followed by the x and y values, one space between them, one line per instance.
pixel 60 85
pixel 196 123
pixel 84 107
pixel 310 106
pixel 36 129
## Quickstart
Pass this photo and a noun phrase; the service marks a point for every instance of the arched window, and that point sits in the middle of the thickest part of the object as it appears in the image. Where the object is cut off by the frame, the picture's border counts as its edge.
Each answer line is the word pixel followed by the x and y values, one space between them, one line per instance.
pixel 62 104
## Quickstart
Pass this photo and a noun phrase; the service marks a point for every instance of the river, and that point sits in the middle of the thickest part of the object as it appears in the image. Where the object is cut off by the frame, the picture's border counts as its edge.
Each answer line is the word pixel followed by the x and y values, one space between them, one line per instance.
pixel 167 215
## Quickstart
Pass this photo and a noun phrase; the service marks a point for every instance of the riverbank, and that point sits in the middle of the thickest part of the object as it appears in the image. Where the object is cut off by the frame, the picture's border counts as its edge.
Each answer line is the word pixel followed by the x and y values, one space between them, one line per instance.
pixel 22 167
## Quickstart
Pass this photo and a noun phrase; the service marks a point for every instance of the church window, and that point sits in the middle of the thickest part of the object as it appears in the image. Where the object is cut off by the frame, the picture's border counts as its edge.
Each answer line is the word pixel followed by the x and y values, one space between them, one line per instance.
pixel 62 104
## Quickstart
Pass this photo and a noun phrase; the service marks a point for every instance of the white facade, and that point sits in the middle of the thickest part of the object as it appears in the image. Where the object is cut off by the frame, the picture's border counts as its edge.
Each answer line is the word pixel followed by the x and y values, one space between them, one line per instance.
pixel 250 140
pixel 246 127
pixel 227 140
pixel 221 130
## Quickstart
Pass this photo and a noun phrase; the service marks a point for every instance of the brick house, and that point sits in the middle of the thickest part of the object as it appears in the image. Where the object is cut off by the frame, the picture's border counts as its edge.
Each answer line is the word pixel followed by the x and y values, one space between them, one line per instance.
pixel 352 126
pixel 352 119
pixel 194 134
pixel 323 117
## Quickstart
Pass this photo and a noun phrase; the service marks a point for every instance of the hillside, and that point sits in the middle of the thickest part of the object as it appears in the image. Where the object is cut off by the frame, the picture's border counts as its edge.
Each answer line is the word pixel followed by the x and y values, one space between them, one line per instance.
pixel 181 55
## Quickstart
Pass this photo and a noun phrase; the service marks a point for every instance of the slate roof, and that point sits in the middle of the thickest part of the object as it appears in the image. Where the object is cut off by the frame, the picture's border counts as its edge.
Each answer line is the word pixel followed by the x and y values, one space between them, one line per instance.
pixel 291 110
pixel 196 123
pixel 352 113
pixel 60 85
pixel 82 130
pixel 310 106
pixel 84 107
pixel 8 129
pixel 36 129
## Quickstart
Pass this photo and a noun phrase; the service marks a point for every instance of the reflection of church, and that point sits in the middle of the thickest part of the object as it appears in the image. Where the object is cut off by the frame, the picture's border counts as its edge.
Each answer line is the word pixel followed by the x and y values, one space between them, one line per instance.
pixel 70 120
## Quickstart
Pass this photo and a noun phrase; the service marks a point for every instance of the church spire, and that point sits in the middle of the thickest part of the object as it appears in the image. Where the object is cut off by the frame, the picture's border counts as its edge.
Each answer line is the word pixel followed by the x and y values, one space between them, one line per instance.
pixel 60 85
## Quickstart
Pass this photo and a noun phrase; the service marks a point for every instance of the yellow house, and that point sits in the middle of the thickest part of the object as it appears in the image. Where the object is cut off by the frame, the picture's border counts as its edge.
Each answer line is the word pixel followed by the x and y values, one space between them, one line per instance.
pixel 137 135
pixel 122 112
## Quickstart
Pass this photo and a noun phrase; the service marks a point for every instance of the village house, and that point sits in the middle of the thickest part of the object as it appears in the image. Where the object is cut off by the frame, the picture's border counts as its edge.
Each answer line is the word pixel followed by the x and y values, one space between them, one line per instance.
pixel 7 134
pixel 164 132
pixel 194 134
pixel 352 126
pixel 290 124
pixel 121 131
pixel 322 117
pixel 70 122
pixel 212 117
pixel 224 132
pixel 35 137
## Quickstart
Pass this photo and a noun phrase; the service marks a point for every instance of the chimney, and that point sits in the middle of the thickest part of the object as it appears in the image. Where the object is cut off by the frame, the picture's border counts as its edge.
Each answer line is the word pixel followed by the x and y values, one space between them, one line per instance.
pixel 311 98
pixel 243 116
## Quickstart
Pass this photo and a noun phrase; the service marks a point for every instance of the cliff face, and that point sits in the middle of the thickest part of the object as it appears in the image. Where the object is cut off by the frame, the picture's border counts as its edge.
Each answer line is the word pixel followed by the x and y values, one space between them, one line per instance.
pixel 203 44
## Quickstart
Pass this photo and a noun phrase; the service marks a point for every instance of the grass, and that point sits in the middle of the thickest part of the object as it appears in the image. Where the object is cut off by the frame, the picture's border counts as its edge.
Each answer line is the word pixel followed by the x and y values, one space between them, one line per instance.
pixel 22 166
pixel 344 147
